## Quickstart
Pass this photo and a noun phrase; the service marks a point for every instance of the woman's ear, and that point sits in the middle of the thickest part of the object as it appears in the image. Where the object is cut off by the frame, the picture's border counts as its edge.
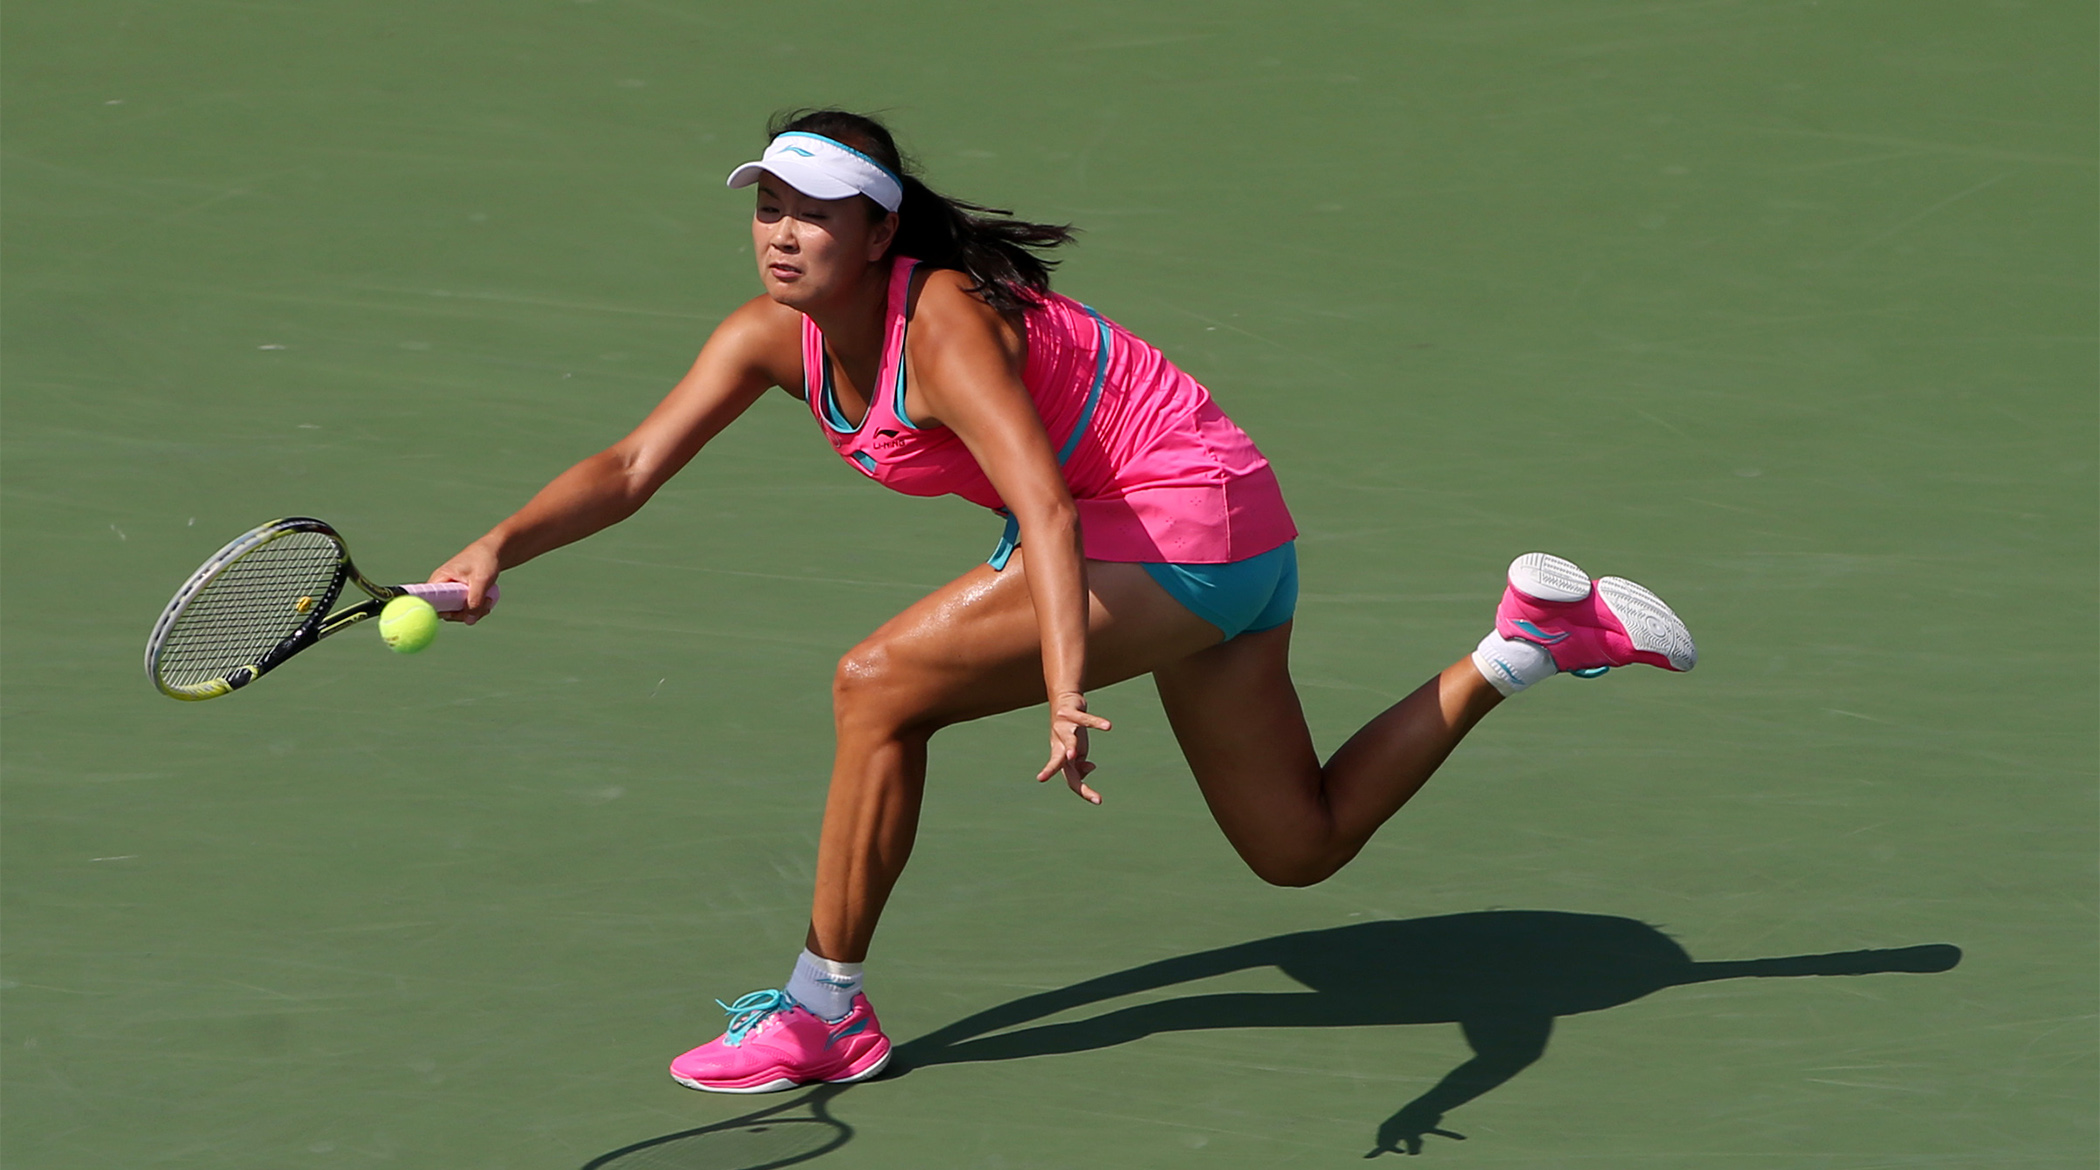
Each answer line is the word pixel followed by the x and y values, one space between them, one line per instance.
pixel 882 237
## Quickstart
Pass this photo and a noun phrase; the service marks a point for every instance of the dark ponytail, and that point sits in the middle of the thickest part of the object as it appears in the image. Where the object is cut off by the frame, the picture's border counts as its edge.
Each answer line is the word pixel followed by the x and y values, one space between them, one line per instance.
pixel 997 253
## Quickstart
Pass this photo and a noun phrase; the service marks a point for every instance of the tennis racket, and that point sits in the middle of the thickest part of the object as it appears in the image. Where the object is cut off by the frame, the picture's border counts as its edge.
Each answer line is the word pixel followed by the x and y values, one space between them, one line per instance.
pixel 261 599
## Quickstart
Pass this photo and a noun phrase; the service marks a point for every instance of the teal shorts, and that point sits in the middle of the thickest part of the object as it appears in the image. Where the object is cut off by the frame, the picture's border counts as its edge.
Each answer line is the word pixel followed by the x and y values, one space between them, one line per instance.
pixel 1240 597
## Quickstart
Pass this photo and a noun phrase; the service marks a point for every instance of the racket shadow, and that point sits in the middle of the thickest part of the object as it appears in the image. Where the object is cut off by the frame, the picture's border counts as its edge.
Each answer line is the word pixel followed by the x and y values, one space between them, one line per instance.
pixel 1502 976
pixel 765 1139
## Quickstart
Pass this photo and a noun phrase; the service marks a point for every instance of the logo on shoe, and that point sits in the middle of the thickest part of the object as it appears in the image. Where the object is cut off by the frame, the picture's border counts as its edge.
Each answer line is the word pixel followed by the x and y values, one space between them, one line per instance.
pixel 1535 634
pixel 853 1029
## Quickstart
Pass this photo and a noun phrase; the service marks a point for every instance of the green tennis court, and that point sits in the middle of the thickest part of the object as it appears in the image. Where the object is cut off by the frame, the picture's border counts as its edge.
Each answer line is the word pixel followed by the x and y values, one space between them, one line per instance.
pixel 1786 309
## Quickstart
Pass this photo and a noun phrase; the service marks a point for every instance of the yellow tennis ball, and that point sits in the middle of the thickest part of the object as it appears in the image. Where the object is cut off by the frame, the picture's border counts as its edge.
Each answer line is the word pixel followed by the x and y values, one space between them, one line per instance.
pixel 408 624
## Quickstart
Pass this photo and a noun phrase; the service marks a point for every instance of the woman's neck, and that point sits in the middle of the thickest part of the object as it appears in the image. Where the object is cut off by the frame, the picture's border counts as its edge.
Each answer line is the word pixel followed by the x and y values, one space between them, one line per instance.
pixel 853 323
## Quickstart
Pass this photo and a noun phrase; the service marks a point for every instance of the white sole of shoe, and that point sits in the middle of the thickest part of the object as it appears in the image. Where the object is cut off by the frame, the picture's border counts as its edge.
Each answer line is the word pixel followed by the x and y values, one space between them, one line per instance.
pixel 1651 625
pixel 778 1083
pixel 864 1074
pixel 772 1086
pixel 1545 577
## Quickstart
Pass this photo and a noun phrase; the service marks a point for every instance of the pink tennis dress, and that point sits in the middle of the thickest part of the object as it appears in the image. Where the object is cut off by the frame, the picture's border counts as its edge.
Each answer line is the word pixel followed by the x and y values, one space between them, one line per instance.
pixel 1157 471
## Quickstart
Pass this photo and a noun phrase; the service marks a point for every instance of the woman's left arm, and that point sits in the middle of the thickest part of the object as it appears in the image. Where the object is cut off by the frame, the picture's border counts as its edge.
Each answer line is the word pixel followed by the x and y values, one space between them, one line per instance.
pixel 967 361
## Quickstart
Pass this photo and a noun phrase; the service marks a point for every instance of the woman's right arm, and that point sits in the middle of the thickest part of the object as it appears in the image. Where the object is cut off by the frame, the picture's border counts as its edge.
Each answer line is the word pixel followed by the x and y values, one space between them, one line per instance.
pixel 756 348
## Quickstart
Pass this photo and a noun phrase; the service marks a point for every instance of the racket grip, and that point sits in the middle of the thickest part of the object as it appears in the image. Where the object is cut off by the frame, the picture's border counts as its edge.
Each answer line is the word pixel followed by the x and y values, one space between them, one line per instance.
pixel 447 596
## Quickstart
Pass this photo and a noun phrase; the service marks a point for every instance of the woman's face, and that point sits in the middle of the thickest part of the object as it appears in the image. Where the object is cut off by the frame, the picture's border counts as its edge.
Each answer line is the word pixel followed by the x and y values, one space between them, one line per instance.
pixel 811 250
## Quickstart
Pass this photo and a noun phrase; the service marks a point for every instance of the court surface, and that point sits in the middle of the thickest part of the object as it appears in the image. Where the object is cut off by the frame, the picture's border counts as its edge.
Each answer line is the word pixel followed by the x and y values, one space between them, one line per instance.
pixel 1785 309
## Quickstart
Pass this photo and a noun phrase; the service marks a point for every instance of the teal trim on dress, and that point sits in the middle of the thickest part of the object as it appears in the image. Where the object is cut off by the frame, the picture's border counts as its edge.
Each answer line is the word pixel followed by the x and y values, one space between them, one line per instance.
pixel 1093 394
pixel 829 400
pixel 897 392
pixel 1010 539
pixel 897 401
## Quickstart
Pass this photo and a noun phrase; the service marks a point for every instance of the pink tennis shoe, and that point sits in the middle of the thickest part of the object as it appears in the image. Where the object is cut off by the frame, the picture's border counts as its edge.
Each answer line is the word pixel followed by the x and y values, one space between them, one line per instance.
pixel 775 1043
pixel 1590 626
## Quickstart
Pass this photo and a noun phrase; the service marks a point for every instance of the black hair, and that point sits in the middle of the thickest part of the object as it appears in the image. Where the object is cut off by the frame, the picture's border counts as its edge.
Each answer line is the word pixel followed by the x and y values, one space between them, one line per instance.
pixel 999 254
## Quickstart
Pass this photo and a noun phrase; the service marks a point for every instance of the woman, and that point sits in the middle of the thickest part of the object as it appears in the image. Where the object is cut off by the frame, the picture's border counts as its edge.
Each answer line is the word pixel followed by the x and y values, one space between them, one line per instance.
pixel 1145 534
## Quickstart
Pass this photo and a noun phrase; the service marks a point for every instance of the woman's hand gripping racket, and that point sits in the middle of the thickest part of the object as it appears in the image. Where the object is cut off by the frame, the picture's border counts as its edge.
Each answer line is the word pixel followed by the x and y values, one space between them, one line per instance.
pixel 263 598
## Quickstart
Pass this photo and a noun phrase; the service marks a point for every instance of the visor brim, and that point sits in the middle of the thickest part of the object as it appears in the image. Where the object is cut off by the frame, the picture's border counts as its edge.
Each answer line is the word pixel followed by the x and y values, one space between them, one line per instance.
pixel 808 178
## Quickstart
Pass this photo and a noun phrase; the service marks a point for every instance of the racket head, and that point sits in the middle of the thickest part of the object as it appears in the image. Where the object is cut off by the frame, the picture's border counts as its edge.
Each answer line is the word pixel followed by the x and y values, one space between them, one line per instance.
pixel 254 603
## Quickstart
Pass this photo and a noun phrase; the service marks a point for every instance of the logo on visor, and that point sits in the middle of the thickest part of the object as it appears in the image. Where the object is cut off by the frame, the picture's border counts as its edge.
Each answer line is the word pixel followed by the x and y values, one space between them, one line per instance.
pixel 798 150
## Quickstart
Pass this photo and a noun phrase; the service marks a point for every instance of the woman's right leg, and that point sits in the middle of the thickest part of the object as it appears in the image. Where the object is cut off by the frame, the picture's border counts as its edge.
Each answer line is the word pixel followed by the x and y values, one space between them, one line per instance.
pixel 1296 821
pixel 1293 820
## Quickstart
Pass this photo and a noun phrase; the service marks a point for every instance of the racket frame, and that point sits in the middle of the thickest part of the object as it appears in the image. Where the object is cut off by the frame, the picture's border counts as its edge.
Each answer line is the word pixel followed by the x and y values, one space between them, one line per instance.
pixel 323 620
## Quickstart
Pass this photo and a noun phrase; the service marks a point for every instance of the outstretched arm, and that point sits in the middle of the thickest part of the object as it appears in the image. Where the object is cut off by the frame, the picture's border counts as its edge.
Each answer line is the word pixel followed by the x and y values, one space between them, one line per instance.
pixel 1503 1046
pixel 756 348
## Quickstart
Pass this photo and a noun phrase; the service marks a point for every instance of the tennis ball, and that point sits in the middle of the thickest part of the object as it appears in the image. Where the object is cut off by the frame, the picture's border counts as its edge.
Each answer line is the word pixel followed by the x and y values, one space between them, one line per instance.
pixel 408 624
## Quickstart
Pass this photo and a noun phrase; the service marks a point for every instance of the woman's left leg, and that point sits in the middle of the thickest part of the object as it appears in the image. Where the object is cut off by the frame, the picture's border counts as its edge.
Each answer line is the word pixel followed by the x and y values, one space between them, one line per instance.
pixel 968 650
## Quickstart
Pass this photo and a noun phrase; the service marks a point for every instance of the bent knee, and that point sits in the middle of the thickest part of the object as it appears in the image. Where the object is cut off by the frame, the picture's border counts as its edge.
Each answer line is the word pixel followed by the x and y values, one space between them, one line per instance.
pixel 861 670
pixel 1300 869
pixel 865 674
pixel 872 686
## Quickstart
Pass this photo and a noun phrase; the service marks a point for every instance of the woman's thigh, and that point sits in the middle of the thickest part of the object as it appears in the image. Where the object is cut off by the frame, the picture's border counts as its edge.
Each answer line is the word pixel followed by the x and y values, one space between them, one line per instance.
pixel 972 648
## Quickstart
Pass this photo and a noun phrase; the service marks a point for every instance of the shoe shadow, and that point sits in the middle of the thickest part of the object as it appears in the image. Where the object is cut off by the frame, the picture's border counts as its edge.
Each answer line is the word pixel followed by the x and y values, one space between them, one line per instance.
pixel 1501 976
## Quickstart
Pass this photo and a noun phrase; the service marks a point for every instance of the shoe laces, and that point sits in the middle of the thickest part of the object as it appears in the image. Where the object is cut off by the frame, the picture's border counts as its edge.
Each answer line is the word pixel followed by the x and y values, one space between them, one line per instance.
pixel 750 1011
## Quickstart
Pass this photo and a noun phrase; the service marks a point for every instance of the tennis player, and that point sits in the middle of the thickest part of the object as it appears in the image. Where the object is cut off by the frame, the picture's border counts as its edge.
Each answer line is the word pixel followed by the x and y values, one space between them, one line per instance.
pixel 1144 534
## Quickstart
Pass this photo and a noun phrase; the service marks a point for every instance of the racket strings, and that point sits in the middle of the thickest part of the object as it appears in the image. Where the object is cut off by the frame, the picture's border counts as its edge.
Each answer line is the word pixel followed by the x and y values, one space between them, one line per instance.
pixel 249 607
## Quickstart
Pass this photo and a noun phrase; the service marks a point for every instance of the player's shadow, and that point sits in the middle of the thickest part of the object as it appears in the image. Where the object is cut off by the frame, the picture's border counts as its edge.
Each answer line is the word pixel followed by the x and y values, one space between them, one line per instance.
pixel 1501 976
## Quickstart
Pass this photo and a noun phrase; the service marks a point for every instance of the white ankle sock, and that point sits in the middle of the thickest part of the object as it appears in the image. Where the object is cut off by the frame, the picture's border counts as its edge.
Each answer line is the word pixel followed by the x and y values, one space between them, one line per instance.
pixel 1511 664
pixel 824 987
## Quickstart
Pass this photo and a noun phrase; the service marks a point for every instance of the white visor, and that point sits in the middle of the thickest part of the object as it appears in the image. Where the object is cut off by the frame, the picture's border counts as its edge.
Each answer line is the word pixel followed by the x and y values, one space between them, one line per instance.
pixel 823 169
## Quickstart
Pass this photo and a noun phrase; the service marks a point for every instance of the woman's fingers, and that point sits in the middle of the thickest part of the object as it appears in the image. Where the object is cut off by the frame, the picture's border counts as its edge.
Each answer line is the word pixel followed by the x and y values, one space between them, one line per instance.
pixel 477 571
pixel 1075 777
pixel 1061 758
pixel 1069 724
pixel 1059 753
pixel 1075 769
pixel 470 614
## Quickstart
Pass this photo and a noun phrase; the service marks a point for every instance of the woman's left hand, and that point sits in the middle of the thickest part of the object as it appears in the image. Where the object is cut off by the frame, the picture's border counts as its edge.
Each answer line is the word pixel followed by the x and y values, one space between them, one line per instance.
pixel 1069 722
